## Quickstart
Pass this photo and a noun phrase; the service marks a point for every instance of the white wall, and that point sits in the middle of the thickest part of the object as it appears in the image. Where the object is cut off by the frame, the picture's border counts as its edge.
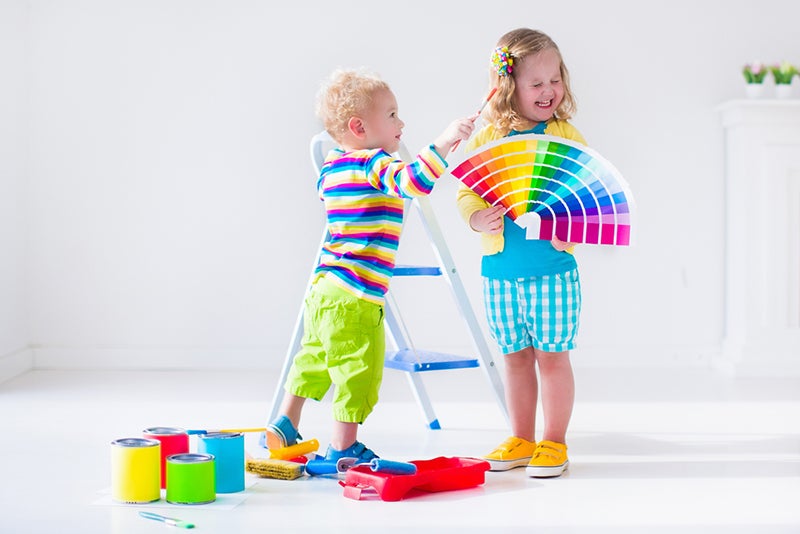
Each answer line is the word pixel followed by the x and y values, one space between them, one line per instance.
pixel 14 354
pixel 172 209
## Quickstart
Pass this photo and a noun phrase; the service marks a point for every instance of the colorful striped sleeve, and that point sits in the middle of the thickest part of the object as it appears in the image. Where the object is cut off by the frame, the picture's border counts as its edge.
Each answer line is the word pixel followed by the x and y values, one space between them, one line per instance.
pixel 405 180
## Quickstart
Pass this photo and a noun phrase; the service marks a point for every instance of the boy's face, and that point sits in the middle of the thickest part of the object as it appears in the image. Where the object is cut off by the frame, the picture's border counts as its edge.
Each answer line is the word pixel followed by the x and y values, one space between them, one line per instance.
pixel 539 88
pixel 382 125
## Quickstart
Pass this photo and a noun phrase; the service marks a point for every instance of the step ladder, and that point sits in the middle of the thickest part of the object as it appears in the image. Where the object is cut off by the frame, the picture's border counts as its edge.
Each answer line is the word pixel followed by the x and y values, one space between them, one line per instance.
pixel 405 356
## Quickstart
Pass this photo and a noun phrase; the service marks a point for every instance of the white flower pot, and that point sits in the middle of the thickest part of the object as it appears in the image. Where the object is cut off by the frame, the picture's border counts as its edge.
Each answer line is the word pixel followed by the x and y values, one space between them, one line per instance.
pixel 783 90
pixel 754 90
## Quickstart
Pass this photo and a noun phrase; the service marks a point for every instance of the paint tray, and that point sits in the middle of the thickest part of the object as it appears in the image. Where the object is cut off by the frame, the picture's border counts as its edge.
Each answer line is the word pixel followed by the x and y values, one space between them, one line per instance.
pixel 438 474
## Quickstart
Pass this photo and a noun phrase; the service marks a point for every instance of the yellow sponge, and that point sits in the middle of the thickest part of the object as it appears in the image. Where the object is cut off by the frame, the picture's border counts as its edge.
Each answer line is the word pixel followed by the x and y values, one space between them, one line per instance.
pixel 273 468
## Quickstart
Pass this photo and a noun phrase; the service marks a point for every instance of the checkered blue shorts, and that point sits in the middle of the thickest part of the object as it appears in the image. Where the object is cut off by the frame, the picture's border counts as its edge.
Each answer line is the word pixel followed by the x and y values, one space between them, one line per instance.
pixel 541 312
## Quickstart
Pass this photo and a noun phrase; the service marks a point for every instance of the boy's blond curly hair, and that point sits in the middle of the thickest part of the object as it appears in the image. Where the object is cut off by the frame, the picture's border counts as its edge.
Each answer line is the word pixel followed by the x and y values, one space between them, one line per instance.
pixel 500 111
pixel 346 94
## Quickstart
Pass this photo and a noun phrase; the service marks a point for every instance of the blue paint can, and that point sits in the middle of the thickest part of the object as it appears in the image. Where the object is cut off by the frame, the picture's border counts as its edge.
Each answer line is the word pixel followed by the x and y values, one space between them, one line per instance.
pixel 228 451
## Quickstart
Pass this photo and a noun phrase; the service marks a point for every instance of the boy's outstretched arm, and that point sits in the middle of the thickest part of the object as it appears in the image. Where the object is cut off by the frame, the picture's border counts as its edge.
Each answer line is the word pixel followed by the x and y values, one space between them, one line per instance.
pixel 458 130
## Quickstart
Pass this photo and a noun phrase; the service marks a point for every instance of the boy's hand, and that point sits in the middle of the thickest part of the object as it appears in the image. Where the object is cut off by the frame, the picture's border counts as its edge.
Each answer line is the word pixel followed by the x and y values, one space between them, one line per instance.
pixel 488 221
pixel 457 131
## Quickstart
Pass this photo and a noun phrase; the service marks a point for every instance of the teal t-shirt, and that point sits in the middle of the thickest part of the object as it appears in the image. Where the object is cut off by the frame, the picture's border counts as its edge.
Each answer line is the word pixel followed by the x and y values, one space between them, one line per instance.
pixel 521 257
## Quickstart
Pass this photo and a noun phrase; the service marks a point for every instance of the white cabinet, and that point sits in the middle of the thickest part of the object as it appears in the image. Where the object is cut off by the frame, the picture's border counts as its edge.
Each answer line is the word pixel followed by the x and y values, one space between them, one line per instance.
pixel 762 237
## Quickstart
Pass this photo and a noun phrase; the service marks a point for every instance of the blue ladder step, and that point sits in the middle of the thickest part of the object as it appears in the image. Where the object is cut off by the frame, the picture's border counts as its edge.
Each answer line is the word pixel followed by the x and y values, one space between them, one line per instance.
pixel 425 360
pixel 416 270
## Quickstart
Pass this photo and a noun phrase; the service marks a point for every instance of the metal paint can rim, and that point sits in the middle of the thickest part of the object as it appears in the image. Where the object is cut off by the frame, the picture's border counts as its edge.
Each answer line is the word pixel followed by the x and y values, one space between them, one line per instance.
pixel 220 435
pixel 136 442
pixel 164 431
pixel 190 458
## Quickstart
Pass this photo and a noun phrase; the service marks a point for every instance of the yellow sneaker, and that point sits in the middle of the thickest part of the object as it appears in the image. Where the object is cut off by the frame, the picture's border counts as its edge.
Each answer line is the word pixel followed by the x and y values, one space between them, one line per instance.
pixel 513 452
pixel 549 460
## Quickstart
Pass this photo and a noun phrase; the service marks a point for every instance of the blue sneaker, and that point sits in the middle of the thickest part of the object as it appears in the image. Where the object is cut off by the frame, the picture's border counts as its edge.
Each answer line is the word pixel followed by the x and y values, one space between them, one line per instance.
pixel 357 450
pixel 280 433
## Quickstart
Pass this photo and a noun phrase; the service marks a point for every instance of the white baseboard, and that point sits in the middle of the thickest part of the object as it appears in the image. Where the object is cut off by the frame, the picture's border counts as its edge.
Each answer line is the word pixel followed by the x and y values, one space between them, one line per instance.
pixel 271 358
pixel 765 358
pixel 783 368
pixel 141 358
pixel 644 356
pixel 15 363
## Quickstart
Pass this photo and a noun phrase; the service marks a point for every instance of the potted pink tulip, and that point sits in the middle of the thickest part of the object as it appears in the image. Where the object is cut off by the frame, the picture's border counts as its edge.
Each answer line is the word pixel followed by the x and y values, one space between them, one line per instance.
pixel 754 74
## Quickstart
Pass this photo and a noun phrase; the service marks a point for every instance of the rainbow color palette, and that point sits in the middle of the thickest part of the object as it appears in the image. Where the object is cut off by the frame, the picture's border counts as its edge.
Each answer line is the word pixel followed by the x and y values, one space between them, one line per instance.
pixel 552 187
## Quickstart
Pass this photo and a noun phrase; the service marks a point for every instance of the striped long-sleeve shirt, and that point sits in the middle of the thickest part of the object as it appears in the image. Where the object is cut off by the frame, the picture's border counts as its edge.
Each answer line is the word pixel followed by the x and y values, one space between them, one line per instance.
pixel 363 192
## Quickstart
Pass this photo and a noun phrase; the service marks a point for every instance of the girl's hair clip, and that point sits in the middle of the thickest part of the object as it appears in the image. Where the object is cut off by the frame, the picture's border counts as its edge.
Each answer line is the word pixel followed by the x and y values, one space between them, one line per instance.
pixel 502 61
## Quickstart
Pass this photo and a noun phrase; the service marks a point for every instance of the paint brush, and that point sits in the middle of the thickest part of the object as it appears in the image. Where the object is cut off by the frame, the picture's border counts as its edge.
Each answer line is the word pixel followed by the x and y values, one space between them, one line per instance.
pixel 169 521
pixel 229 430
pixel 477 113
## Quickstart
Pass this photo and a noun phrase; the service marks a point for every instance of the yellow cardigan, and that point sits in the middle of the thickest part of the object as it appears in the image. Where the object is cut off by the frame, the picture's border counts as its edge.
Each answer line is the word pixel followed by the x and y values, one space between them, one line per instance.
pixel 469 202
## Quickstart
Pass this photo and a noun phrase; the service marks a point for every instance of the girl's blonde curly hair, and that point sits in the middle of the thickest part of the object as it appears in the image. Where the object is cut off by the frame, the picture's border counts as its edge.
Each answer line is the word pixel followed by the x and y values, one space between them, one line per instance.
pixel 501 111
pixel 346 94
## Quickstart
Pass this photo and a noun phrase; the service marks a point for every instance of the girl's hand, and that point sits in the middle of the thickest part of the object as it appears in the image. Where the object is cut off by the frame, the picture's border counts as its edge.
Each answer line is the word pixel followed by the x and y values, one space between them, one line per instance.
pixel 489 220
pixel 561 246
pixel 457 131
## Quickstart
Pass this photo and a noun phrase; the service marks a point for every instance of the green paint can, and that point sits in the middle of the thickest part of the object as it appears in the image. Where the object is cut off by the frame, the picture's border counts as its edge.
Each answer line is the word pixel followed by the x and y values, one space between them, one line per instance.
pixel 190 479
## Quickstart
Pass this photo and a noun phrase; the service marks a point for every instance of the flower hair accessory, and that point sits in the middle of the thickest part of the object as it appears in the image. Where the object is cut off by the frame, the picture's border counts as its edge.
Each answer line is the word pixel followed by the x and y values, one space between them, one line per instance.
pixel 502 61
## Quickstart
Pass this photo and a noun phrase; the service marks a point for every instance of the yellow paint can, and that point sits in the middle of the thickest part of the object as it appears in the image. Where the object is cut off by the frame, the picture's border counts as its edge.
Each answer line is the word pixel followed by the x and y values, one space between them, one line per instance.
pixel 136 470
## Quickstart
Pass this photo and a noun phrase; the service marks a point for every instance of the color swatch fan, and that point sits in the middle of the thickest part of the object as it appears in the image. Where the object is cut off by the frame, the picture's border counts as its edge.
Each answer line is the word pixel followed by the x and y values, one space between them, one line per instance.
pixel 552 187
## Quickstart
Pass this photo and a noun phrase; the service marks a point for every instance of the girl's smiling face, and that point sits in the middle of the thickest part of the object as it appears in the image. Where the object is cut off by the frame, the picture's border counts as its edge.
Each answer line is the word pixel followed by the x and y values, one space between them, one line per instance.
pixel 539 88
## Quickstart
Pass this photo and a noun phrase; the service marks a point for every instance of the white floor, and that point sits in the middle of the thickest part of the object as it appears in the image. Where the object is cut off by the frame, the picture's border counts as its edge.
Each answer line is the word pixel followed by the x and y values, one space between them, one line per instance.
pixel 651 451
